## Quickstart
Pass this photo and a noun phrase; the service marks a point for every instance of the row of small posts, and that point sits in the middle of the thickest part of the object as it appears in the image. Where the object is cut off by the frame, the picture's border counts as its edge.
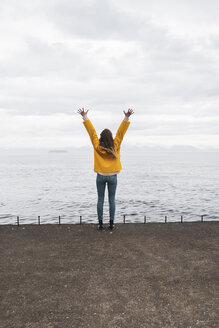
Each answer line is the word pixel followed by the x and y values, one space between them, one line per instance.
pixel 145 219
pixel 165 219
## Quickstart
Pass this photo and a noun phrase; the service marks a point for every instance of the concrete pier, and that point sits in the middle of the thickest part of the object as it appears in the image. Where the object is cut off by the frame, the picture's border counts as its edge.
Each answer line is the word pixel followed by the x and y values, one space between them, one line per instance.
pixel 152 275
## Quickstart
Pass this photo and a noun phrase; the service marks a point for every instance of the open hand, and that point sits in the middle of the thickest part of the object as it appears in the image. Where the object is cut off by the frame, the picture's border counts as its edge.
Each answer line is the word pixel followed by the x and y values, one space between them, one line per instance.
pixel 82 112
pixel 129 112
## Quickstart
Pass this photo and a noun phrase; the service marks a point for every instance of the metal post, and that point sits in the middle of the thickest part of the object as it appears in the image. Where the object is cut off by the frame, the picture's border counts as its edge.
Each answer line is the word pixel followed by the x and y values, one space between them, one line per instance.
pixel 123 218
pixel 80 219
pixel 18 223
pixel 145 219
pixel 202 216
pixel 181 219
pixel 38 219
pixel 59 220
pixel 165 219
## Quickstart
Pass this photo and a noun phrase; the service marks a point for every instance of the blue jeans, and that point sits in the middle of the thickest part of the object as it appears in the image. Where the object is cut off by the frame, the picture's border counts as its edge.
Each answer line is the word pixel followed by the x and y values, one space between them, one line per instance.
pixel 111 181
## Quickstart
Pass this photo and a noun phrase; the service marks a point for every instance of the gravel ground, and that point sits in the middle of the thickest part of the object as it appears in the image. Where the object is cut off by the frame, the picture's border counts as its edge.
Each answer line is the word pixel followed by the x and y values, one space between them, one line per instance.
pixel 153 275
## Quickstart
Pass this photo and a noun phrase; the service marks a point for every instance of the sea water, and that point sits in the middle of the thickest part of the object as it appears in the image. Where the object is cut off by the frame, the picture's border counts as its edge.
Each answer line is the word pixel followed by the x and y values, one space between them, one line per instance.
pixel 153 184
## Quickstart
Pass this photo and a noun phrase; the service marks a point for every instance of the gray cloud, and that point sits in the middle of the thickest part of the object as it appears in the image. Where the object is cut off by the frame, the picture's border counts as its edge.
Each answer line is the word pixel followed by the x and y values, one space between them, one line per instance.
pixel 94 20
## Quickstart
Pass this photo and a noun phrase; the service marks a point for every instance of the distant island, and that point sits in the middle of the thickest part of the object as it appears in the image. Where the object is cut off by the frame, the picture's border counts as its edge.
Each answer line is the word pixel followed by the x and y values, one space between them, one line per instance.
pixel 58 151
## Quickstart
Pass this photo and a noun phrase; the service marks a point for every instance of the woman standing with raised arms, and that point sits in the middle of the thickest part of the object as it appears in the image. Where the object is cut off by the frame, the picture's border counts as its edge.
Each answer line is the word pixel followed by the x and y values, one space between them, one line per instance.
pixel 106 162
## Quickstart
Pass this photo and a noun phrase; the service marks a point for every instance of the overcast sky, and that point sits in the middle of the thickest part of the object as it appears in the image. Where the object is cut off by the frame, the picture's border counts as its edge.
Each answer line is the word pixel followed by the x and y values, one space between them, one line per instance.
pixel 159 57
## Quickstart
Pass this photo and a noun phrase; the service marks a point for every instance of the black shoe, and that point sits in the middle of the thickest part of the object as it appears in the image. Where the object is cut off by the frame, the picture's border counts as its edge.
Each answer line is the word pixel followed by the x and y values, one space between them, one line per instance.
pixel 100 225
pixel 111 225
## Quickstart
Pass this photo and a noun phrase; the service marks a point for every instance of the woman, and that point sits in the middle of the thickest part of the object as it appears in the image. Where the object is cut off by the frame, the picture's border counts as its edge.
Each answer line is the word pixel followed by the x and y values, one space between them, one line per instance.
pixel 106 162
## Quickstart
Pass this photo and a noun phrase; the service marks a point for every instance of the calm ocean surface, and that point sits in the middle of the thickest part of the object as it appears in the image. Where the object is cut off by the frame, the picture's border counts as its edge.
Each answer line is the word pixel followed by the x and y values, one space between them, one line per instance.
pixel 155 184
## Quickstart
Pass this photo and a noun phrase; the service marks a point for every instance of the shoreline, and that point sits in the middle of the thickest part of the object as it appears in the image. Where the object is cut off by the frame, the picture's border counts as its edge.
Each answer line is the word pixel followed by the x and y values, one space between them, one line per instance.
pixel 106 221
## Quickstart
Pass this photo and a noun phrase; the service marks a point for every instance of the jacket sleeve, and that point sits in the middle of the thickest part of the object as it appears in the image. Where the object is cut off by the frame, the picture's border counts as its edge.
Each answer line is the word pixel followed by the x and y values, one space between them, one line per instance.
pixel 121 132
pixel 92 133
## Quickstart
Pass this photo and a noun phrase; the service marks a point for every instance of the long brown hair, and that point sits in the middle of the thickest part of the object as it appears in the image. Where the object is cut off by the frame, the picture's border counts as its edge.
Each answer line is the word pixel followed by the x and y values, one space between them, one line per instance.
pixel 107 143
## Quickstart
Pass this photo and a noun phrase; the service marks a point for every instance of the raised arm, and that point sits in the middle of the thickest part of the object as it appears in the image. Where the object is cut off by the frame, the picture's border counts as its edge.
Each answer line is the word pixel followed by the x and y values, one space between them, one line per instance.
pixel 123 128
pixel 89 127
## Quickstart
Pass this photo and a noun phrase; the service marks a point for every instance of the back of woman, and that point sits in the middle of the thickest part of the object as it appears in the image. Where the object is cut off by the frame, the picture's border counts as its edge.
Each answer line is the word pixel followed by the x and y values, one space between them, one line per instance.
pixel 107 162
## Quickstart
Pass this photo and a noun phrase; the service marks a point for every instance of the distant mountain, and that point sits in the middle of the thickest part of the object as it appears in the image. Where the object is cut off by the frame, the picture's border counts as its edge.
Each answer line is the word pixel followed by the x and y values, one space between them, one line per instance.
pixel 57 151
pixel 183 148
pixel 175 148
